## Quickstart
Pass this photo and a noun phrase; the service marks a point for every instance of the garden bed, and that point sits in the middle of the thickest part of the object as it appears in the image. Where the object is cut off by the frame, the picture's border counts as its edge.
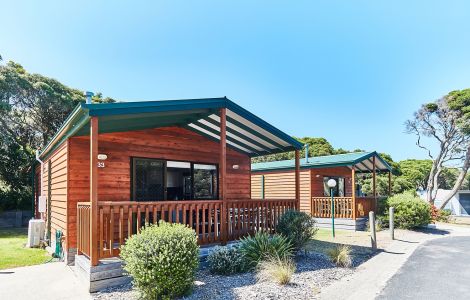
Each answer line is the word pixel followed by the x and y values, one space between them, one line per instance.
pixel 314 271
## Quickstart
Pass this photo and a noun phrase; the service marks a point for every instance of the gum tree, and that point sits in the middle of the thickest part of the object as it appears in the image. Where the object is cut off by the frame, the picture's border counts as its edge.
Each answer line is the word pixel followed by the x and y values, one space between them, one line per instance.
pixel 442 122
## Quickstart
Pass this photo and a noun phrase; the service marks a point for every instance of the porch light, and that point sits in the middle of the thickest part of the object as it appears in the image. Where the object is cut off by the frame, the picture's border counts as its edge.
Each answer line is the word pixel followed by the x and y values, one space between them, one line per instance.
pixel 235 167
pixel 331 184
pixel 102 156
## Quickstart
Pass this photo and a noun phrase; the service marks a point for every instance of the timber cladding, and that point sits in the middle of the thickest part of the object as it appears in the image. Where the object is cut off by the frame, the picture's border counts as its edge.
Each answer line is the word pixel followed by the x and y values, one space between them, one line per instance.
pixel 55 187
pixel 169 143
pixel 281 184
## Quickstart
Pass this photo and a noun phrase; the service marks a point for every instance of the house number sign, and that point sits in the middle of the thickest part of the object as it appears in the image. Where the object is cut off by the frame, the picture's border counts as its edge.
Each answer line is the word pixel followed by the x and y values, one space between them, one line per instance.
pixel 101 164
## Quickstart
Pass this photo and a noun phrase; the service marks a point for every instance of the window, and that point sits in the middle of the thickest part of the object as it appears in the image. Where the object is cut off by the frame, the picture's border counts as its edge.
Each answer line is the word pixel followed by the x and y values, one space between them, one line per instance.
pixel 205 181
pixel 154 180
pixel 338 190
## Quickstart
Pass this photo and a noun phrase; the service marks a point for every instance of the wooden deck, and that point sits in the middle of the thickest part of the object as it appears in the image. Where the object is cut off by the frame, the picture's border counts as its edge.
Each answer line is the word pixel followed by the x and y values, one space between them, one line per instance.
pixel 117 220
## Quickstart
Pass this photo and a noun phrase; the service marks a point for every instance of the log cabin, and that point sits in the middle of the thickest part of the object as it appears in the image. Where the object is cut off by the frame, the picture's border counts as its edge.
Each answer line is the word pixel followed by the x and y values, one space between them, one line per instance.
pixel 276 180
pixel 113 168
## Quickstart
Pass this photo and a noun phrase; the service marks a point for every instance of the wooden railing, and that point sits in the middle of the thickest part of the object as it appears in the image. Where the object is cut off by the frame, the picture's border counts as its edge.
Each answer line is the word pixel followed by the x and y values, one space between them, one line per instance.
pixel 119 220
pixel 83 228
pixel 364 205
pixel 248 216
pixel 321 207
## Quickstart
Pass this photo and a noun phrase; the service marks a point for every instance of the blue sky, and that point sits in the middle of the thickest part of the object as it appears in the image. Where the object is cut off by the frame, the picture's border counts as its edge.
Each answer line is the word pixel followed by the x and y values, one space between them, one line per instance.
pixel 349 71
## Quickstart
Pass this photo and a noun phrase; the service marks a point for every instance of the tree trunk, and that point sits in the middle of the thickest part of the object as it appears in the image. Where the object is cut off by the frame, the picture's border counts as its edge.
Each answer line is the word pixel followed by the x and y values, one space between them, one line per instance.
pixel 460 179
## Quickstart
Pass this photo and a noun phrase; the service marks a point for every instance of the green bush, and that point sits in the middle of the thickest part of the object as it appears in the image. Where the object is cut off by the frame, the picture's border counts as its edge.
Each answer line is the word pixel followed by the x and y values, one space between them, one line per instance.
pixel 162 260
pixel 298 227
pixel 226 261
pixel 444 215
pixel 261 246
pixel 410 211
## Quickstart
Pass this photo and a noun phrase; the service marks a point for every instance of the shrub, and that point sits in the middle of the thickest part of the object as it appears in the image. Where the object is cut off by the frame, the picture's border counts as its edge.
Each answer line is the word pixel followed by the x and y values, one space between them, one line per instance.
pixel 298 227
pixel 444 215
pixel 434 213
pixel 261 246
pixel 340 255
pixel 410 211
pixel 162 260
pixel 276 269
pixel 226 261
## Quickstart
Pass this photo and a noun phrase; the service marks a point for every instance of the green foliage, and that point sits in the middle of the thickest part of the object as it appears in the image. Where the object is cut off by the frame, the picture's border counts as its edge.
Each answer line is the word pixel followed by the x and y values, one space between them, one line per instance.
pixel 32 108
pixel 226 261
pixel 340 255
pixel 279 270
pixel 298 227
pixel 459 102
pixel 318 146
pixel 444 215
pixel 410 211
pixel 162 260
pixel 416 171
pixel 262 245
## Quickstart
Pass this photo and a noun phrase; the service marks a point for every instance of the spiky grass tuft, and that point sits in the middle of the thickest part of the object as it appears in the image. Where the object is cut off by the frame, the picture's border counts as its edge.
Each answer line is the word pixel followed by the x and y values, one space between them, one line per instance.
pixel 340 256
pixel 279 270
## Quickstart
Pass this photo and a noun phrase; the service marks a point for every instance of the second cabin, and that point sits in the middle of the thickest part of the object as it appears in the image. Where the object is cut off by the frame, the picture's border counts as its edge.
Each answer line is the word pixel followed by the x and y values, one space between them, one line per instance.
pixel 276 180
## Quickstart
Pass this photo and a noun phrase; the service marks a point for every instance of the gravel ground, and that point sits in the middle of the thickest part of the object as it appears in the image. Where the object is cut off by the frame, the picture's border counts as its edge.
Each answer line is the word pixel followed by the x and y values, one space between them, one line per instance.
pixel 314 271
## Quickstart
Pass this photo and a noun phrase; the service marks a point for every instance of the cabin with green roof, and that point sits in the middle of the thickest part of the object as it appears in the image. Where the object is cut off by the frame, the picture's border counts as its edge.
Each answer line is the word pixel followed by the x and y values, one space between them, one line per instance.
pixel 276 180
pixel 112 168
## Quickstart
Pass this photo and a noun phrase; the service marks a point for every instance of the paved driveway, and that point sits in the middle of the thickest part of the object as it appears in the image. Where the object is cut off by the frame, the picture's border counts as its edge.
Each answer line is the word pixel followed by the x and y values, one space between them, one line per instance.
pixel 51 281
pixel 439 269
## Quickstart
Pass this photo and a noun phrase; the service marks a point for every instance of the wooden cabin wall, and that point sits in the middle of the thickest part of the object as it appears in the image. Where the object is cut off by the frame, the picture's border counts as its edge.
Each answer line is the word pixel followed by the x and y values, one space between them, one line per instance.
pixel 58 189
pixel 317 182
pixel 169 143
pixel 281 185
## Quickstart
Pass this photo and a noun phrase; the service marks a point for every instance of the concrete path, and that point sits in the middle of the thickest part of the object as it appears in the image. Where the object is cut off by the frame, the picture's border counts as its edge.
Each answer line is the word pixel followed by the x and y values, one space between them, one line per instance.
pixel 51 281
pixel 439 269
pixel 372 276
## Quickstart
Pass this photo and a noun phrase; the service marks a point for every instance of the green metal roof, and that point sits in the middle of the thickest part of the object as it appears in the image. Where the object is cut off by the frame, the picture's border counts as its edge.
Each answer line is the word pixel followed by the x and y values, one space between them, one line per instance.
pixel 246 132
pixel 361 161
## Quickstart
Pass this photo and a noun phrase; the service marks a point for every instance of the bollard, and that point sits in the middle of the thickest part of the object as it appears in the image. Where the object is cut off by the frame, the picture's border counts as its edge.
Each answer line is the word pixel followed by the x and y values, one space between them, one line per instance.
pixel 392 223
pixel 373 238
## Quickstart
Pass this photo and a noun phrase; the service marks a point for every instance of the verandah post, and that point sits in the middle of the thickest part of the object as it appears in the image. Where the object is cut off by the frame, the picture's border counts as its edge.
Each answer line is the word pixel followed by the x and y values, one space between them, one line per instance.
pixel 353 187
pixel 223 173
pixel 94 190
pixel 374 183
pixel 297 179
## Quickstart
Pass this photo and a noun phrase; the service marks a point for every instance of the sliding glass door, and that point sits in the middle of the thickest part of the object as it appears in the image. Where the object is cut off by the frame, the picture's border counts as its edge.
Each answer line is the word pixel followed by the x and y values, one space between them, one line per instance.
pixel 154 180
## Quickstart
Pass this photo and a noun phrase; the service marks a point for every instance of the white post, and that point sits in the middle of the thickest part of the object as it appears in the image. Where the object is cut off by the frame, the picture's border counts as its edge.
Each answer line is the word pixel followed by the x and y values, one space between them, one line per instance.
pixel 373 238
pixel 392 223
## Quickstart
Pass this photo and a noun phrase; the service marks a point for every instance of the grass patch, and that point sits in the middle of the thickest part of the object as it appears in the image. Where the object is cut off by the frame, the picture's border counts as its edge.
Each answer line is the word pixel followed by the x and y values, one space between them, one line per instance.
pixel 13 252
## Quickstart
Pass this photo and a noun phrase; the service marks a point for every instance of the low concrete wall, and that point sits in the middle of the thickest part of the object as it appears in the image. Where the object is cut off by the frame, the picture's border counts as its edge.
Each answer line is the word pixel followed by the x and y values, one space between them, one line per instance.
pixel 15 218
